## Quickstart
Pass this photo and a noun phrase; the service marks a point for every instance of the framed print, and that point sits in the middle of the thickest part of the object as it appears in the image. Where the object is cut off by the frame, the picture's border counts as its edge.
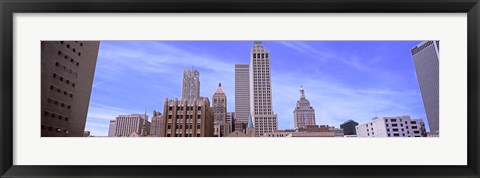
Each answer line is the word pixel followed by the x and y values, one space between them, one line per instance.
pixel 239 88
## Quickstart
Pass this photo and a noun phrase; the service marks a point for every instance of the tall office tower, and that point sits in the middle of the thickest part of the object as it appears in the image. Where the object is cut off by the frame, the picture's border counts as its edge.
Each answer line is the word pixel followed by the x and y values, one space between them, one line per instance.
pixel 67 69
pixel 191 84
pixel 111 128
pixel 304 114
pixel 399 126
pixel 219 112
pixel 230 122
pixel 127 125
pixel 264 119
pixel 242 95
pixel 187 118
pixel 156 125
pixel 349 127
pixel 426 58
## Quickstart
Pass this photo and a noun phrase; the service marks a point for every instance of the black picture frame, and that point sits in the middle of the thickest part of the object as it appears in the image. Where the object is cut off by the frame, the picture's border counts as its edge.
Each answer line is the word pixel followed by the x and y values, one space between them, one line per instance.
pixel 9 7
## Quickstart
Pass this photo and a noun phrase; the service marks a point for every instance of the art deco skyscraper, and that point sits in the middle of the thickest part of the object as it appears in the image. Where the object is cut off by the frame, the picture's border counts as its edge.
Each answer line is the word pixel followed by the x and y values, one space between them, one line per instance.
pixel 242 95
pixel 219 112
pixel 67 69
pixel 304 114
pixel 136 124
pixel 156 125
pixel 191 84
pixel 264 119
pixel 426 58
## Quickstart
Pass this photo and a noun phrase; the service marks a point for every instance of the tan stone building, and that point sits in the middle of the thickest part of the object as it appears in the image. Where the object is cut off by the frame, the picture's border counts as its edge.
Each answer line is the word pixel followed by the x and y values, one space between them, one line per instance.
pixel 156 125
pixel 67 70
pixel 304 114
pixel 126 125
pixel 188 118
pixel 219 109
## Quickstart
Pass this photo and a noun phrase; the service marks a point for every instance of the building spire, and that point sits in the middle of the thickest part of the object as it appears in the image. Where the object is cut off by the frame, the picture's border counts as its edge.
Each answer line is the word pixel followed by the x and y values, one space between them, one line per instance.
pixel 302 92
pixel 250 122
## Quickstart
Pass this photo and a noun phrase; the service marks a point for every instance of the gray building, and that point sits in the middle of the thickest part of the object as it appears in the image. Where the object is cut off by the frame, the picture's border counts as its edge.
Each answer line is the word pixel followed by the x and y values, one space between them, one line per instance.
pixel 191 84
pixel 242 96
pixel 264 119
pixel 304 114
pixel 349 127
pixel 426 58
pixel 111 128
pixel 67 69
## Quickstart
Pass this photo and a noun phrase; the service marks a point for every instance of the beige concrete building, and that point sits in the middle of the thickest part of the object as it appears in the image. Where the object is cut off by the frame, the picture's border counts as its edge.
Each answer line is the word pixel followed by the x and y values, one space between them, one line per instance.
pixel 67 69
pixel 111 128
pixel 242 95
pixel 188 118
pixel 399 126
pixel 264 119
pixel 304 114
pixel 156 125
pixel 219 112
pixel 126 125
pixel 230 122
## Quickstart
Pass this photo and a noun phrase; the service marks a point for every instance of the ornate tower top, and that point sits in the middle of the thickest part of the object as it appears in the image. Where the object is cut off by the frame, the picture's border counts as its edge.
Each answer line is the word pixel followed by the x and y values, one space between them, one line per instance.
pixel 302 92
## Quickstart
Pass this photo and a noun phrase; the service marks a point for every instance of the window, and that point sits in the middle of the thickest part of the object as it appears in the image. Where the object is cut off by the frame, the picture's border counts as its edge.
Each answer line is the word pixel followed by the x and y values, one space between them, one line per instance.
pixel 79 54
pixel 81 44
pixel 54 75
pixel 68 46
pixel 74 50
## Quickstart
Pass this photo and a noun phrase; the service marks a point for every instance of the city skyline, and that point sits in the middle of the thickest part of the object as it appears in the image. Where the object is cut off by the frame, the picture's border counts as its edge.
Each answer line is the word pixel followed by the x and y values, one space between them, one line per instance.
pixel 345 80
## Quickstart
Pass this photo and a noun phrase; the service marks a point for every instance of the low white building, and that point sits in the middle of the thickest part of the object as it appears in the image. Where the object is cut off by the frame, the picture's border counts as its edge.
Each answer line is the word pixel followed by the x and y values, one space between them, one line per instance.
pixel 399 126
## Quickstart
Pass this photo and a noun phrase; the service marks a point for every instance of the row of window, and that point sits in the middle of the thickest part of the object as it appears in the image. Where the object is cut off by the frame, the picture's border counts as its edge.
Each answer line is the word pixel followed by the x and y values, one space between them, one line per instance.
pixel 262 55
pixel 59 90
pixel 68 57
pixel 51 128
pixel 54 115
pixel 58 103
pixel 73 49
pixel 65 68
pixel 63 79
pixel 180 108
pixel 186 135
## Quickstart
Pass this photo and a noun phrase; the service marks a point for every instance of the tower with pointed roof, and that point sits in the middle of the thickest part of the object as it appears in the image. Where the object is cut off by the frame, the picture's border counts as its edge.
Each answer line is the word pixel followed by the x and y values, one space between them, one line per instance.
pixel 304 114
pixel 263 117
pixel 219 112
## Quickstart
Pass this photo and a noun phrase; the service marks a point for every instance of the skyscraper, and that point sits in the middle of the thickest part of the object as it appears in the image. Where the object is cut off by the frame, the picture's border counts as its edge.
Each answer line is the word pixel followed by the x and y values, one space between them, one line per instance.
pixel 304 114
pixel 67 69
pixel 426 58
pixel 219 112
pixel 191 84
pixel 242 95
pixel 264 119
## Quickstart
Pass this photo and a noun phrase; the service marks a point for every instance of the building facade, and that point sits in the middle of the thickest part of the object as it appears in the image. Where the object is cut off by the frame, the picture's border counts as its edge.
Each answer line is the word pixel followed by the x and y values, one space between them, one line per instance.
pixel 264 119
pixel 304 114
pixel 399 126
pixel 111 128
pixel 219 108
pixel 426 60
pixel 349 127
pixel 126 125
pixel 188 118
pixel 156 125
pixel 67 69
pixel 242 95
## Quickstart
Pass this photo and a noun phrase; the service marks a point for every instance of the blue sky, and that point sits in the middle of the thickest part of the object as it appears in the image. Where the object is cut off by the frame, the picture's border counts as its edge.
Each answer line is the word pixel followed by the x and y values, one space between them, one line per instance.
pixel 342 79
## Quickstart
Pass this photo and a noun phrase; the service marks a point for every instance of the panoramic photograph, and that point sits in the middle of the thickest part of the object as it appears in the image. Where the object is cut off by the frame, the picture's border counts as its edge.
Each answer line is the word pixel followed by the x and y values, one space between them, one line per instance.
pixel 269 88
